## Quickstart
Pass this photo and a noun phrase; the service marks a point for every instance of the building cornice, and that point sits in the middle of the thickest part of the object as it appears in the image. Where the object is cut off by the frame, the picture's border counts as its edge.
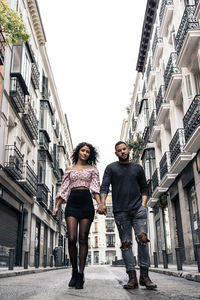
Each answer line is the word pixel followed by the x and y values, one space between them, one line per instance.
pixel 149 19
pixel 37 21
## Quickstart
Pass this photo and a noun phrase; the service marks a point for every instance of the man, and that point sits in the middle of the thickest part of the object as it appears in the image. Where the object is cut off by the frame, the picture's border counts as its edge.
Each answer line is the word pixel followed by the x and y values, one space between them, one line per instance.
pixel 129 196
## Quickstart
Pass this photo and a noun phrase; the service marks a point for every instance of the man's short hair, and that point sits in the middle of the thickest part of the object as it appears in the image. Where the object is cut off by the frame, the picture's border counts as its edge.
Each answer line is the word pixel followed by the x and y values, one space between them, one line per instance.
pixel 119 143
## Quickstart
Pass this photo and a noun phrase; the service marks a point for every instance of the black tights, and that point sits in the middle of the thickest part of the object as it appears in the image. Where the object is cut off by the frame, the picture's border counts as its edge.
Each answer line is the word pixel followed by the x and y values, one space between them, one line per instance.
pixel 84 228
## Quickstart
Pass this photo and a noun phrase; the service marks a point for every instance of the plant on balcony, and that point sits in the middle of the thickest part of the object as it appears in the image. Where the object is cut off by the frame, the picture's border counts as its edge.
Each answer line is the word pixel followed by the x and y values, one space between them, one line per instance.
pixel 12 25
pixel 136 146
pixel 162 201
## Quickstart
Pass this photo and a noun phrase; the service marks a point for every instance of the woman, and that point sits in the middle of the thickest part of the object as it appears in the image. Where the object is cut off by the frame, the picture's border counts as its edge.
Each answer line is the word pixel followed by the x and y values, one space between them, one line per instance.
pixel 77 183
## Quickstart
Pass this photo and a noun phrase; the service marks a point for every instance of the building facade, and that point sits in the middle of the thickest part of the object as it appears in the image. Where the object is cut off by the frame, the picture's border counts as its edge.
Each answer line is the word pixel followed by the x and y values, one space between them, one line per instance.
pixel 165 113
pixel 104 243
pixel 35 147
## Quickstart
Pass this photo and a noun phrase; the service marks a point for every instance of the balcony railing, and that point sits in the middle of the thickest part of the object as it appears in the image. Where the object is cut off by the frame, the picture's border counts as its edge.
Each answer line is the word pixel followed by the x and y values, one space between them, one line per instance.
pixel 110 229
pixel 171 68
pixel 110 245
pixel 2 47
pixel 191 119
pixel 165 164
pixel 30 120
pixel 17 95
pixel 160 98
pixel 29 179
pixel 188 22
pixel 162 9
pixel 152 121
pixel 177 144
pixel 145 135
pixel 155 179
pixel 42 194
pixel 13 161
pixel 149 68
pixel 44 140
pixel 35 75
pixel 157 39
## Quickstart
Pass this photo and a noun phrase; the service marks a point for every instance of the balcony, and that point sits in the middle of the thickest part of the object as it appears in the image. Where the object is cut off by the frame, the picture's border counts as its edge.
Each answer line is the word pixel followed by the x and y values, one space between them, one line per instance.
pixel 191 122
pixel 154 130
pixel 109 245
pixel 156 188
pixel 44 140
pixel 145 135
pixel 150 73
pixel 166 178
pixel 30 120
pixel 157 47
pixel 162 107
pixel 2 48
pixel 172 77
pixel 29 179
pixel 188 36
pixel 179 157
pixel 165 16
pixel 42 194
pixel 17 94
pixel 110 229
pixel 35 76
pixel 13 161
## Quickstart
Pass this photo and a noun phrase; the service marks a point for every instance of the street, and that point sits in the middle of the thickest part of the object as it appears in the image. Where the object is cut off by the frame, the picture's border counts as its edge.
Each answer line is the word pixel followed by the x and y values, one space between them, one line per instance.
pixel 102 282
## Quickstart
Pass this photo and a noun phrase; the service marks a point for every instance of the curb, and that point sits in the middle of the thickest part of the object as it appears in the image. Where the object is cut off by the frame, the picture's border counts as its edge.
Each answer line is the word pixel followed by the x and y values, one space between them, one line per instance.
pixel 182 274
pixel 13 273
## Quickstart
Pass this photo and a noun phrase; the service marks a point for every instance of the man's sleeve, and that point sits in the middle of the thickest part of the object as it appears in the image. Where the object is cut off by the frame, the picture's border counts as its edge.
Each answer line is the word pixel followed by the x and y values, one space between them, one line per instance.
pixel 143 183
pixel 106 181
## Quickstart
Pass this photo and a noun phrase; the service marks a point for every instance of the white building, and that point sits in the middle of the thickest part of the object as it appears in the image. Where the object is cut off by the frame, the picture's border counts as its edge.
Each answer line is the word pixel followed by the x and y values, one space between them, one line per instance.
pixel 165 111
pixel 35 146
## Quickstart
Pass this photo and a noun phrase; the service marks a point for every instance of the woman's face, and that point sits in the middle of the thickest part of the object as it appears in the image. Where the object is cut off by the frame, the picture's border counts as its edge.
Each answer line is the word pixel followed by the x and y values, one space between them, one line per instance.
pixel 84 153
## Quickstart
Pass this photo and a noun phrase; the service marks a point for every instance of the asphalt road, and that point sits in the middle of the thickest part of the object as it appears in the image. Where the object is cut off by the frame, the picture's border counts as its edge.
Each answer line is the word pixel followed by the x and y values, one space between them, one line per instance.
pixel 102 282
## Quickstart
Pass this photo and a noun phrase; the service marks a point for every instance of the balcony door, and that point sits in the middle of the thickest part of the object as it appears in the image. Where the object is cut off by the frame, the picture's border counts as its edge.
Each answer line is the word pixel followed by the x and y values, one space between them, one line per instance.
pixel 194 216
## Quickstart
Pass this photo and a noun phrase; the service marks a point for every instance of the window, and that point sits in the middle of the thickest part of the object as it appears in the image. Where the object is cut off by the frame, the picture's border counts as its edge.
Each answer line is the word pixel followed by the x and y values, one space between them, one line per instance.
pixel 197 82
pixel 110 240
pixel 96 242
pixel 148 161
pixel 95 227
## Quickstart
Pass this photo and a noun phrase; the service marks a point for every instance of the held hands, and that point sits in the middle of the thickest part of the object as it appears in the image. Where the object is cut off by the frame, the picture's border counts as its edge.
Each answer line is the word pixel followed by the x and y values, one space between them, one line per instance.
pixel 101 209
pixel 54 212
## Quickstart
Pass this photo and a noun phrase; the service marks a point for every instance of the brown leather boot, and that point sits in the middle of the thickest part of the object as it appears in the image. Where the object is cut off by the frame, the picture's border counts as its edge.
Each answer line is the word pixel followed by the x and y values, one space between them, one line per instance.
pixel 133 282
pixel 145 280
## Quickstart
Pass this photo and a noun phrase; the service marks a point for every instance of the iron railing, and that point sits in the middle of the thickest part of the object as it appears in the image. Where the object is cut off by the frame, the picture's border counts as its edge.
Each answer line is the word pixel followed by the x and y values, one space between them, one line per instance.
pixel 188 22
pixel 160 98
pixel 155 179
pixel 29 179
pixel 152 121
pixel 162 8
pixel 13 161
pixel 30 120
pixel 171 68
pixel 177 144
pixel 165 164
pixel 17 94
pixel 35 75
pixel 42 194
pixel 110 228
pixel 191 120
pixel 157 39
pixel 2 47
pixel 146 134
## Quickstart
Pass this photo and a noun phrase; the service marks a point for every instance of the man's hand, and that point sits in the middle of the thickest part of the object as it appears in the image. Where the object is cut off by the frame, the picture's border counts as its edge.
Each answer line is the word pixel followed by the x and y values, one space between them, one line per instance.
pixel 54 212
pixel 101 209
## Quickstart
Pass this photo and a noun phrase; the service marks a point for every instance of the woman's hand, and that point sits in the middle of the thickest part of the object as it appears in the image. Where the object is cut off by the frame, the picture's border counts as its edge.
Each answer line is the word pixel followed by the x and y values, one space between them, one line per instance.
pixel 54 212
pixel 101 209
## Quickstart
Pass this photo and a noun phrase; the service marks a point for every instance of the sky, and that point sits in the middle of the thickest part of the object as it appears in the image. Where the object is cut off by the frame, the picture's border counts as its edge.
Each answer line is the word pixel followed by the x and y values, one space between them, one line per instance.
pixel 93 48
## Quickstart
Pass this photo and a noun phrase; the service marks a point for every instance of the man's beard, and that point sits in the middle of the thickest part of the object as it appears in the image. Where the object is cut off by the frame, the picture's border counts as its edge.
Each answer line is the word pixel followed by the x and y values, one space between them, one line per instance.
pixel 124 159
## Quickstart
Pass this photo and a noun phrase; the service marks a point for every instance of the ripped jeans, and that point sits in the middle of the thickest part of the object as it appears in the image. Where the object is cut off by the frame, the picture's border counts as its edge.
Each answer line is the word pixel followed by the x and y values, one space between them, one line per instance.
pixel 125 221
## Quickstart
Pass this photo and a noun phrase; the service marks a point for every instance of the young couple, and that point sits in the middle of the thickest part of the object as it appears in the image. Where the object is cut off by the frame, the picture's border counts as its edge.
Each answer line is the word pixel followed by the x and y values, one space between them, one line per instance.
pixel 129 195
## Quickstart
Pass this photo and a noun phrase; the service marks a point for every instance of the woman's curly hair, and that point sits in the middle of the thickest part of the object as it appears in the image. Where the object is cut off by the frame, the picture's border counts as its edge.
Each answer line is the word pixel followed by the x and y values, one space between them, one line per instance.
pixel 93 158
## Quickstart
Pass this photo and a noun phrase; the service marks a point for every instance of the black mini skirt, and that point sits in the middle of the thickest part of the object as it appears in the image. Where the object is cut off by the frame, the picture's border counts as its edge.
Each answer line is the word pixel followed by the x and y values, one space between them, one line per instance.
pixel 80 205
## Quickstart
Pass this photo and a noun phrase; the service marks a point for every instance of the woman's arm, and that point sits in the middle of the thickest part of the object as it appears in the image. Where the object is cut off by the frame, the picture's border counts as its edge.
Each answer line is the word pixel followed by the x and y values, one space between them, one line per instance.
pixel 58 204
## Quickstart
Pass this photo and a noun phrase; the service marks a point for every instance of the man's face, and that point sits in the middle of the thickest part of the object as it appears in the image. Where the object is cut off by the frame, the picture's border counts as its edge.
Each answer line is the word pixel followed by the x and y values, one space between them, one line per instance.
pixel 122 152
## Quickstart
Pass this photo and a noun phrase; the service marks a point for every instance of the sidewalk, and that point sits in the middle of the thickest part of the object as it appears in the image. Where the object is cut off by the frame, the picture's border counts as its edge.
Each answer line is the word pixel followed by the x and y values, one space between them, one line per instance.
pixel 4 272
pixel 189 272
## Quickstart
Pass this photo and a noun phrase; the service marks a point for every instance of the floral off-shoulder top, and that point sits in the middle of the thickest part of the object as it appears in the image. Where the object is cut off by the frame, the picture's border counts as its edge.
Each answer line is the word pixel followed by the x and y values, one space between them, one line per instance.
pixel 76 178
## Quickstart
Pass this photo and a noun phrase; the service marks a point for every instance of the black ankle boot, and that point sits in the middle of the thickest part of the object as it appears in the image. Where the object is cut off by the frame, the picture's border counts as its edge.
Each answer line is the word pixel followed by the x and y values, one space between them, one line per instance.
pixel 79 281
pixel 73 279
